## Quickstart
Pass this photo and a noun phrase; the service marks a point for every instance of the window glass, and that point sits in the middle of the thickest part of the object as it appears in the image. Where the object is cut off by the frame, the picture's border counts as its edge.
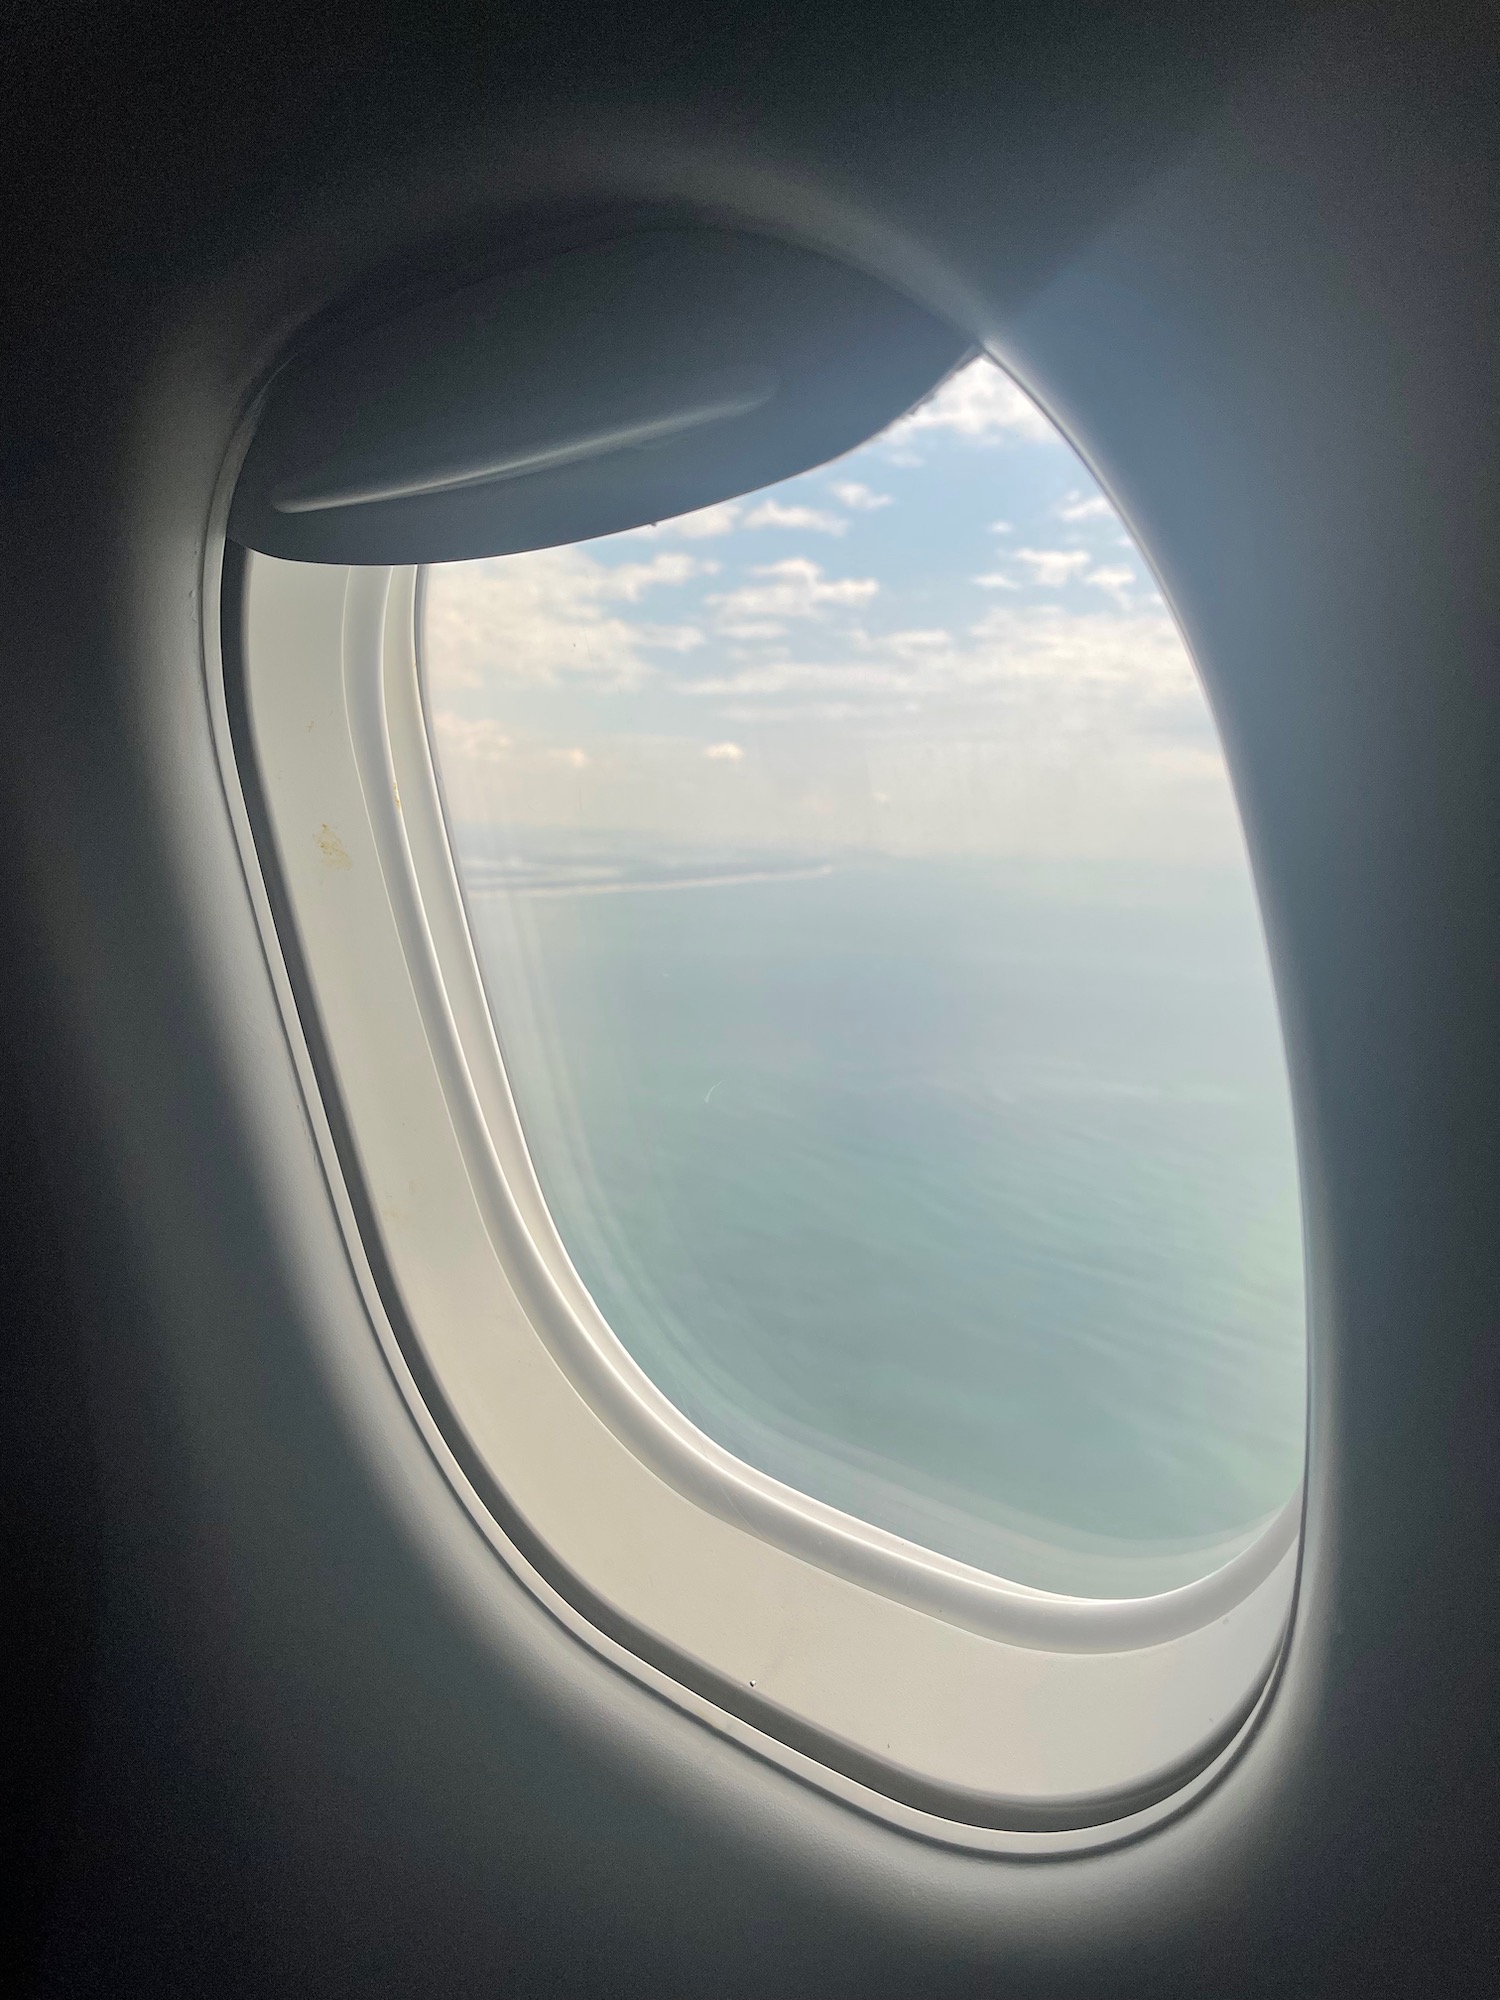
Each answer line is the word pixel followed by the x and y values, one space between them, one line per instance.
pixel 865 915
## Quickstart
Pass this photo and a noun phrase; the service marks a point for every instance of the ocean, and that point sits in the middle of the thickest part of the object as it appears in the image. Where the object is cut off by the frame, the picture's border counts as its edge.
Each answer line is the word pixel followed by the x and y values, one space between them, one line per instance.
pixel 959 1193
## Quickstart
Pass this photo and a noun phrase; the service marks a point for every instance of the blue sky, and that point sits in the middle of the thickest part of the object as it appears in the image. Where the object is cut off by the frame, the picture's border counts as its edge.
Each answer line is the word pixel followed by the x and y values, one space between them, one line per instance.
pixel 943 643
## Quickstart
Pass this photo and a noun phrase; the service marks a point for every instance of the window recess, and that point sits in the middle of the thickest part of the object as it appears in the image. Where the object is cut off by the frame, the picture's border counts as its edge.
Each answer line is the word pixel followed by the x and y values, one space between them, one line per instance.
pixel 904 1641
pixel 917 1686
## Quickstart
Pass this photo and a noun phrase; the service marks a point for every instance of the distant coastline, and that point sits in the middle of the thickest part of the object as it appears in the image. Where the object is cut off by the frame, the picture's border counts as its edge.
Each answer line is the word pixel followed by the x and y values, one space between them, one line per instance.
pixel 630 886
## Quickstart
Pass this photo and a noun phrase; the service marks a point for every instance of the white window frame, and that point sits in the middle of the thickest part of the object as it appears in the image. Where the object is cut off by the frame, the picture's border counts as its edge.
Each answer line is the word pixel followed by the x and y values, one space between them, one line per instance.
pixel 974 1710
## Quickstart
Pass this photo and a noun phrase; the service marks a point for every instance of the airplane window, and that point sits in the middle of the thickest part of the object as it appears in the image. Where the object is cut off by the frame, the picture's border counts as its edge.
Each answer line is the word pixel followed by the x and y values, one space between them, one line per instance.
pixel 866 921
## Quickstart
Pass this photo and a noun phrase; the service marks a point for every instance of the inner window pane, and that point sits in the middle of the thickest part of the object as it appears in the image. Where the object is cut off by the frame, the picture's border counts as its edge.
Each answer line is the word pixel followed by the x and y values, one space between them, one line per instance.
pixel 866 919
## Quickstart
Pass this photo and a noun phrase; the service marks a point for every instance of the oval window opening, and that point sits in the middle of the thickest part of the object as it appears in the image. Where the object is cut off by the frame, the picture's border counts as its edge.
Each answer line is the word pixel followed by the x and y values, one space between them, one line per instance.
pixel 866 921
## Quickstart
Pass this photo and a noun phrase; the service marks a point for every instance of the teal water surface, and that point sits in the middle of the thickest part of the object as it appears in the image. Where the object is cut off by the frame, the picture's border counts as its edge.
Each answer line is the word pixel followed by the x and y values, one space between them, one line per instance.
pixel 960 1194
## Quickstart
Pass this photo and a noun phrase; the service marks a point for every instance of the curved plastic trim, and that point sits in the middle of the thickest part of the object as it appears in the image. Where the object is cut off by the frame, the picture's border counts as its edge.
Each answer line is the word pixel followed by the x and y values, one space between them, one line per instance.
pixel 943 1699
pixel 731 393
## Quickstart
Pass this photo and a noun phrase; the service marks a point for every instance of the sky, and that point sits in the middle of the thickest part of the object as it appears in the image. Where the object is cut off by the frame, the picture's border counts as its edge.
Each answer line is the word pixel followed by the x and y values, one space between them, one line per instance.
pixel 943 643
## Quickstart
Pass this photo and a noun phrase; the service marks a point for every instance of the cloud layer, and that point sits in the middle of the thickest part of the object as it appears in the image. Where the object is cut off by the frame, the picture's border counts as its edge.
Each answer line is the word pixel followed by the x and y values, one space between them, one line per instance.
pixel 913 673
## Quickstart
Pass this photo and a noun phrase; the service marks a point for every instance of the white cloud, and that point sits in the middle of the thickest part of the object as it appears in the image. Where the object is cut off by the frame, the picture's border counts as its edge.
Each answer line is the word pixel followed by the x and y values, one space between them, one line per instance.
pixel 858 498
pixel 1189 760
pixel 551 613
pixel 703 524
pixel 476 739
pixel 914 645
pixel 1140 655
pixel 750 629
pixel 1116 582
pixel 1038 728
pixel 1084 507
pixel 772 514
pixel 994 580
pixel 1001 528
pixel 1052 568
pixel 630 580
pixel 1096 663
pixel 669 638
pixel 778 677
pixel 796 588
pixel 980 401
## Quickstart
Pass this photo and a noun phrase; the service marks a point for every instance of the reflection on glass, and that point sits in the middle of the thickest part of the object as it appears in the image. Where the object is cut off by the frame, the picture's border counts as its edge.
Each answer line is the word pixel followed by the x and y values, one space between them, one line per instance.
pixel 867 925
